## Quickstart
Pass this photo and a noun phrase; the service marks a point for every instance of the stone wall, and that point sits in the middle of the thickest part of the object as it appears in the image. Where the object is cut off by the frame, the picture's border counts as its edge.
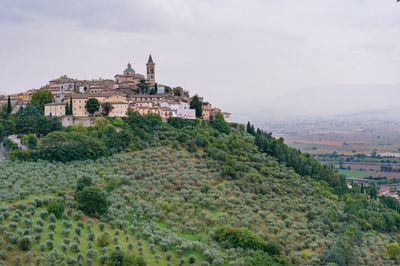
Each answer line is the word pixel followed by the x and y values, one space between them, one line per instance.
pixel 69 120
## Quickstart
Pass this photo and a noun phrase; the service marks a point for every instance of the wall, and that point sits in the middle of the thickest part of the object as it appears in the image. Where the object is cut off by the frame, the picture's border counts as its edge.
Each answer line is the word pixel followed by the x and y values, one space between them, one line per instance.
pixel 68 120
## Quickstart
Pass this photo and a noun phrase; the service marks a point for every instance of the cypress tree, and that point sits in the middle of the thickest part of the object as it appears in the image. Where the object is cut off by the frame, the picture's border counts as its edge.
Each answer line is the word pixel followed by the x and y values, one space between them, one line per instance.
pixel 70 106
pixel 67 109
pixel 9 107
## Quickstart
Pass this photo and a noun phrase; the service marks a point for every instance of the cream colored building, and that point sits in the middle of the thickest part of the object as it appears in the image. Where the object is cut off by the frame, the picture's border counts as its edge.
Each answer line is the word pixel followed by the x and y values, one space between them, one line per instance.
pixel 54 109
pixel 119 103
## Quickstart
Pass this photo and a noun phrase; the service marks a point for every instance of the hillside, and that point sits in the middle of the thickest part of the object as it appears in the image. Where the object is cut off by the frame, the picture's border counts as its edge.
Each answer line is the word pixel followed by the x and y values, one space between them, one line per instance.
pixel 184 193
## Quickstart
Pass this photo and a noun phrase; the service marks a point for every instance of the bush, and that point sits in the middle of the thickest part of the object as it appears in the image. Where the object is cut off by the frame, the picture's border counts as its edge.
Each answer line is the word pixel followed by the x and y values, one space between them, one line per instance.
pixel 103 240
pixel 239 237
pixel 84 181
pixel 261 258
pixel 92 201
pixel 25 243
pixel 166 206
pixel 57 208
pixel 393 250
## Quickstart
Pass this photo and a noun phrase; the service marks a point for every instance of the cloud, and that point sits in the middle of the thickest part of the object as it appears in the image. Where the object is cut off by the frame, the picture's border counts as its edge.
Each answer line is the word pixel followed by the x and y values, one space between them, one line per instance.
pixel 232 52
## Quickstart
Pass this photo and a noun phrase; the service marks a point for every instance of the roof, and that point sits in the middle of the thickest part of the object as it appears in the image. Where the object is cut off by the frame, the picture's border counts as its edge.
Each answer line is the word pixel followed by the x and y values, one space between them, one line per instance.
pixel 150 59
pixel 129 68
pixel 55 104
pixel 118 102
pixel 89 95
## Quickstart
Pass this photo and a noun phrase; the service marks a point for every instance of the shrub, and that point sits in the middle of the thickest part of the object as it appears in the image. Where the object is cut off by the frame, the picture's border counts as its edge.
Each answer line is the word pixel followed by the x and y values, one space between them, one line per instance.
pixel 239 237
pixel 92 201
pixel 44 215
pixel 56 208
pixel 166 206
pixel 25 243
pixel 103 240
pixel 101 226
pixel 393 250
pixel 91 236
pixel 50 244
pixel 261 258
pixel 192 259
pixel 84 181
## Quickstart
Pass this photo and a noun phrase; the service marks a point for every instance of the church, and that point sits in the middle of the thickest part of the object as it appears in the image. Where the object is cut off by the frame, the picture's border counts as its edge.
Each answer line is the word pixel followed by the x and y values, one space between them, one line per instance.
pixel 130 79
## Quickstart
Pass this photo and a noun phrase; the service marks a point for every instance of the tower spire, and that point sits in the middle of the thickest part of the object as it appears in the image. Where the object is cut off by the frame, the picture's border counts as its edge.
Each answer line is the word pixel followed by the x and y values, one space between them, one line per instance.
pixel 150 71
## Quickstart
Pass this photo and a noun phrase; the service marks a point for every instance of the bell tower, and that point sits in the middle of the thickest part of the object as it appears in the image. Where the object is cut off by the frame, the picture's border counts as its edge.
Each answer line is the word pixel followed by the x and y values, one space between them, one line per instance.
pixel 150 71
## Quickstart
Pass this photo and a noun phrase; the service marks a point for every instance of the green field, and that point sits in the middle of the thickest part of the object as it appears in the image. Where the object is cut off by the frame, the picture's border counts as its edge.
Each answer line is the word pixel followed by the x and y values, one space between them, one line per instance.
pixel 357 173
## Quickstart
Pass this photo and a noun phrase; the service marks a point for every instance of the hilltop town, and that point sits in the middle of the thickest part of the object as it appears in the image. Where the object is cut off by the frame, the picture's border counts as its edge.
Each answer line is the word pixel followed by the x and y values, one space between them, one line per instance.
pixel 127 91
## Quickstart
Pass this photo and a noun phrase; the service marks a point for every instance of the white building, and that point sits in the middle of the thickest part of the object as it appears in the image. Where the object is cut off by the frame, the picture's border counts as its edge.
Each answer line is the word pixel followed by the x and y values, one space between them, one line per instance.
pixel 180 109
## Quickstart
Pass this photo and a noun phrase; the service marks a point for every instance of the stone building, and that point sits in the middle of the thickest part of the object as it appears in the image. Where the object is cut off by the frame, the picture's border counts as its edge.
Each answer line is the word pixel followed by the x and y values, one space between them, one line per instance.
pixel 54 109
pixel 129 79
pixel 151 79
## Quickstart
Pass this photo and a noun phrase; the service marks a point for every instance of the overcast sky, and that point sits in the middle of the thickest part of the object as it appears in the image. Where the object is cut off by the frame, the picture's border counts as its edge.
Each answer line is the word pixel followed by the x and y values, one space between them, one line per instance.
pixel 226 50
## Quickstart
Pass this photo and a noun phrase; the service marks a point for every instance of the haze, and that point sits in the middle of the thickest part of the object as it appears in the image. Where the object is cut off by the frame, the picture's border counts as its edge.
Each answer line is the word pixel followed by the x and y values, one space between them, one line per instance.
pixel 237 54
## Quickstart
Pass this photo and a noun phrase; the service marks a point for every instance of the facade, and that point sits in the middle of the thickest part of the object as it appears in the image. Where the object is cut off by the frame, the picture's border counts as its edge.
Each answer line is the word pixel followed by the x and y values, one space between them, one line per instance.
pixel 119 103
pixel 206 113
pixel 55 109
pixel 129 78
pixel 150 66
pixel 180 109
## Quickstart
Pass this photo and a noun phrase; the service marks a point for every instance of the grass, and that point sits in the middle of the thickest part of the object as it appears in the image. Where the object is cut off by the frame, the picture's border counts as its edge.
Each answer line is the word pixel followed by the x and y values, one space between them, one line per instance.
pixel 58 239
pixel 356 173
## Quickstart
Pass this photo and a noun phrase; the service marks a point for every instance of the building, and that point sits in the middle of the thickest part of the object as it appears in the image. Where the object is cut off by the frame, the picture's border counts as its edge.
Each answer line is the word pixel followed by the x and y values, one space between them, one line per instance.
pixel 151 79
pixel 206 113
pixel 180 109
pixel 119 103
pixel 55 109
pixel 129 79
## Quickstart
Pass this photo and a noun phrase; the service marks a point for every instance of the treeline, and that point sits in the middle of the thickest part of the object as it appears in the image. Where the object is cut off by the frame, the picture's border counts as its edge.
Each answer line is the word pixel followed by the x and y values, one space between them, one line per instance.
pixel 302 163
pixel 102 139
pixel 28 120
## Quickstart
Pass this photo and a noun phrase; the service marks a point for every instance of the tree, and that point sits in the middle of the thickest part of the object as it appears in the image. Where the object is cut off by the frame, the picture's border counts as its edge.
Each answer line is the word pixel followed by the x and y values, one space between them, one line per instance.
pixel 197 105
pixel 153 91
pixel 177 92
pixel 32 141
pixel 143 87
pixel 70 106
pixel 40 98
pixel 219 124
pixel 92 201
pixel 9 107
pixel 92 105
pixel 25 243
pixel 84 181
pixel 67 109
pixel 106 108
pixel 393 250
pixel 57 208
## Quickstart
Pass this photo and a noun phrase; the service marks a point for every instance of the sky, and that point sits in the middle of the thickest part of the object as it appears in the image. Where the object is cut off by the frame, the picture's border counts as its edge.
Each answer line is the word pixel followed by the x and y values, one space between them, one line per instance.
pixel 234 53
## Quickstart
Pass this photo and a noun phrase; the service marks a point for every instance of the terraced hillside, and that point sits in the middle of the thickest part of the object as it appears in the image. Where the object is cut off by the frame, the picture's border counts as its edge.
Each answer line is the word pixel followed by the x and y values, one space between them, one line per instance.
pixel 187 193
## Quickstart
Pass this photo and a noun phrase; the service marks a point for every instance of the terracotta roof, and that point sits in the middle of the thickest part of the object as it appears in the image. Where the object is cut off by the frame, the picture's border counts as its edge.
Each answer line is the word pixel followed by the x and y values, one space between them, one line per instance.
pixel 89 95
pixel 55 104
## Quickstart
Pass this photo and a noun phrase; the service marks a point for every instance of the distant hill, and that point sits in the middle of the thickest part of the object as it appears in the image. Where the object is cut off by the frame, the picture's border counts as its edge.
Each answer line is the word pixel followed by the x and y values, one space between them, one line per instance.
pixel 328 101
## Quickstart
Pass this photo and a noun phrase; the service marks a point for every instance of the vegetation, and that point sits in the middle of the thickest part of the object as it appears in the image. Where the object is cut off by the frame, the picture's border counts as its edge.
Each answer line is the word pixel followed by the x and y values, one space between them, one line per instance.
pixel 106 108
pixel 92 106
pixel 185 192
pixel 40 98
pixel 197 105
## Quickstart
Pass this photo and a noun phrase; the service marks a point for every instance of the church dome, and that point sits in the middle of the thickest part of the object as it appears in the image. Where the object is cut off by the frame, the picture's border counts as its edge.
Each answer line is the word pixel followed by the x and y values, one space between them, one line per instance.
pixel 129 68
